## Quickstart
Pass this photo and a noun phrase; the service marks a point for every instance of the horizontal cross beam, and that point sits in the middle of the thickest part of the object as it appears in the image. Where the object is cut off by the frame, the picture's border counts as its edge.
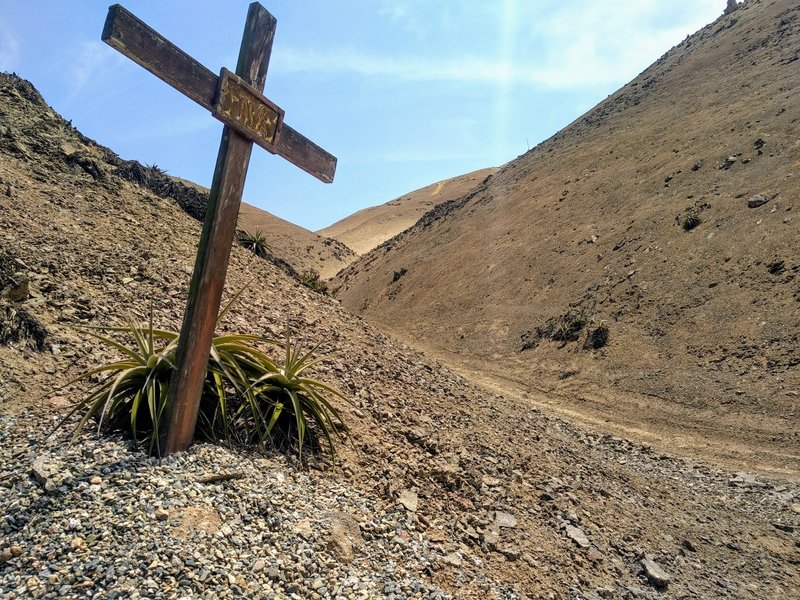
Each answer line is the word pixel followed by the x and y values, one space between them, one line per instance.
pixel 145 46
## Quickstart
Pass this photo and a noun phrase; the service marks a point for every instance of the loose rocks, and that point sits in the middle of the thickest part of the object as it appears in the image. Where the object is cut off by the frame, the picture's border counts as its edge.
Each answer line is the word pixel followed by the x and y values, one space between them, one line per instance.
pixel 757 200
pixel 655 574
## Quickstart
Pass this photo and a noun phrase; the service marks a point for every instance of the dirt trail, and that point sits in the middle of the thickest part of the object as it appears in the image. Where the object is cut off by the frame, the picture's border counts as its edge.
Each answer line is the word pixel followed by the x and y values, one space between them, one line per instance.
pixel 708 436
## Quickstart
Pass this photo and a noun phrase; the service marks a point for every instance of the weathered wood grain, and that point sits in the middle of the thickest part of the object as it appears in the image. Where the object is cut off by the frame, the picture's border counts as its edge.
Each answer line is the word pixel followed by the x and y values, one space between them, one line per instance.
pixel 149 49
pixel 216 240
pixel 251 114
pixel 304 153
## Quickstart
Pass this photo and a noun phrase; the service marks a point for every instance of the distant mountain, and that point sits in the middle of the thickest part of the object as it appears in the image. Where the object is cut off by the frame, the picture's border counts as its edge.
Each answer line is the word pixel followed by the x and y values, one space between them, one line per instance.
pixel 664 219
pixel 370 227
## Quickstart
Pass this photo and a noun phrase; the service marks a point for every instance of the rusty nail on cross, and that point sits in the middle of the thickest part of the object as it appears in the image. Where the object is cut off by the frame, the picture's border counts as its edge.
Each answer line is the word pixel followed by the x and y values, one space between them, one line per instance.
pixel 249 117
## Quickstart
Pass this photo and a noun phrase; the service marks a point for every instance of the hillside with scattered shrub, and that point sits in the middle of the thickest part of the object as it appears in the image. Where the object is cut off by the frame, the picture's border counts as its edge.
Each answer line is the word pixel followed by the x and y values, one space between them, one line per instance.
pixel 640 268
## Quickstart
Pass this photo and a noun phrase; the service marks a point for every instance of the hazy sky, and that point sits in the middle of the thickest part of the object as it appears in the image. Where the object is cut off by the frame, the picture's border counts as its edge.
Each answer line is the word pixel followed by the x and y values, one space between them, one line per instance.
pixel 403 92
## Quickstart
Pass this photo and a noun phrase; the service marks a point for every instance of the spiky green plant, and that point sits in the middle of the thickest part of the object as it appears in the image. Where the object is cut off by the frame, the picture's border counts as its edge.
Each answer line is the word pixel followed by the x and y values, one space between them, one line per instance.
pixel 256 242
pixel 291 393
pixel 311 279
pixel 246 395
pixel 133 394
pixel 691 220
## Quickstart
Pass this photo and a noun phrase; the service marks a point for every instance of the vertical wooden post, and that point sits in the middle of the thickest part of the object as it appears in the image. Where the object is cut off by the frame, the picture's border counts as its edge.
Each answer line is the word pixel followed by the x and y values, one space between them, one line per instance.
pixel 219 228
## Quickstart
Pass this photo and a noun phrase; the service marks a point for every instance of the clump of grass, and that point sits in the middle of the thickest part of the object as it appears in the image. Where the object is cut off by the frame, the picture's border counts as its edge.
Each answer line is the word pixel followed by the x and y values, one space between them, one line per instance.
pixel 17 325
pixel 247 398
pixel 284 405
pixel 565 328
pixel 310 278
pixel 256 242
pixel 596 338
pixel 776 267
pixel 691 219
pixel 568 328
pixel 154 168
pixel 398 274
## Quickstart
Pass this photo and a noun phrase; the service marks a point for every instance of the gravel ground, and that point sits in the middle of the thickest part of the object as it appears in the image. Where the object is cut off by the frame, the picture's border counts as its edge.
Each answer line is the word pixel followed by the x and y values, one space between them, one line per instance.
pixel 105 520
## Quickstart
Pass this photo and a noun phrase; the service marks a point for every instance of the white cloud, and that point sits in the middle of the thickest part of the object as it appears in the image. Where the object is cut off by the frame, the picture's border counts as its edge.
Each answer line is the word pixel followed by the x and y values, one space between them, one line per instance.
pixel 86 66
pixel 408 68
pixel 611 41
pixel 9 51
pixel 568 45
pixel 574 72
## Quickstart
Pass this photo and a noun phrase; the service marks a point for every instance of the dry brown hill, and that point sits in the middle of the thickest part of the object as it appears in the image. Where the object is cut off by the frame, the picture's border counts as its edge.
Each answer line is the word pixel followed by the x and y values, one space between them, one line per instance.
pixel 370 227
pixel 444 489
pixel 299 247
pixel 667 214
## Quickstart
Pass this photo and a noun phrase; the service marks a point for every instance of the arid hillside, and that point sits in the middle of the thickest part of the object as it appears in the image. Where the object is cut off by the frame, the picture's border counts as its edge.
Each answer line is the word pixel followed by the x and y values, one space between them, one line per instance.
pixel 370 227
pixel 299 247
pixel 642 266
pixel 442 488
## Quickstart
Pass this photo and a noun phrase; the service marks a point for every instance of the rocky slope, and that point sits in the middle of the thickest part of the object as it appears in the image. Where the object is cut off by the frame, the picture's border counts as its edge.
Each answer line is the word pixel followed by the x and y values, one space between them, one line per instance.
pixel 370 227
pixel 444 489
pixel 299 247
pixel 641 266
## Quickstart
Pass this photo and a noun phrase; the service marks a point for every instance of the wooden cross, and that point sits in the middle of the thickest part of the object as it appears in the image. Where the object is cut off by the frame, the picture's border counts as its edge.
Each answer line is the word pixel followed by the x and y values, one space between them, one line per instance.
pixel 237 101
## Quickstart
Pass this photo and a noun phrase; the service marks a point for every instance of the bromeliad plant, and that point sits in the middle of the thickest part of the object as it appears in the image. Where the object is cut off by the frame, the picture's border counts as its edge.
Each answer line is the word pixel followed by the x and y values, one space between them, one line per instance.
pixel 280 405
pixel 256 242
pixel 247 398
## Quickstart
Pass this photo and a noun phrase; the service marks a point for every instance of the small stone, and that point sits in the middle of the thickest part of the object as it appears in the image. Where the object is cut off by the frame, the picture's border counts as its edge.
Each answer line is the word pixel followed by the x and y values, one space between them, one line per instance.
pixel 655 574
pixel 512 554
pixel 594 556
pixel 576 535
pixel 452 559
pixel 491 537
pixel 757 200
pixel 18 289
pixel 303 528
pixel 42 469
pixel 747 480
pixel 409 500
pixel 344 536
pixel 491 481
pixel 97 480
pixel 5 555
pixel 504 519
pixel 161 514
pixel 226 530
pixel 259 565
pixel 16 551
pixel 796 508
pixel 78 543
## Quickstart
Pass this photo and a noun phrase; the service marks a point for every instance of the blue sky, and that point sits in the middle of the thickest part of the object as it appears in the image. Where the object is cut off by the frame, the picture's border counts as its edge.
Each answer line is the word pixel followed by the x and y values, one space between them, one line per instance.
pixel 404 92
